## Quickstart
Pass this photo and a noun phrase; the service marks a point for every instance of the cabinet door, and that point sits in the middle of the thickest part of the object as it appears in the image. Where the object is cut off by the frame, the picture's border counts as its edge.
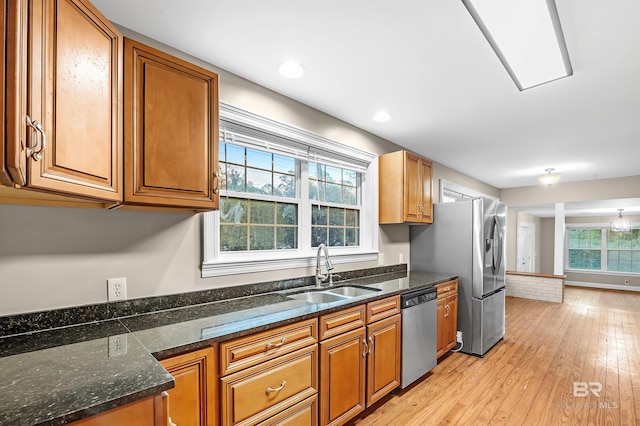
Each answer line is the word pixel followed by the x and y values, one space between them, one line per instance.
pixel 383 363
pixel 5 177
pixel 412 188
pixel 150 411
pixel 64 89
pixel 443 327
pixel 426 209
pixel 342 377
pixel 452 320
pixel 192 400
pixel 171 130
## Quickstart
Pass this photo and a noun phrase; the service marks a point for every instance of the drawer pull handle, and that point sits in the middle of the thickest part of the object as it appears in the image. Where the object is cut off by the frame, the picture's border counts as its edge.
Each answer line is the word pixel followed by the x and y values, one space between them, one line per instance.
pixel 277 345
pixel 366 348
pixel 279 388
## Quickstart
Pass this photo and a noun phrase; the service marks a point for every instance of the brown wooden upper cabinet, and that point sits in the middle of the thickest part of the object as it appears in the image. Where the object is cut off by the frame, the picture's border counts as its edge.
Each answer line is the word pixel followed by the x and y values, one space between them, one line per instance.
pixel 405 188
pixel 171 130
pixel 63 99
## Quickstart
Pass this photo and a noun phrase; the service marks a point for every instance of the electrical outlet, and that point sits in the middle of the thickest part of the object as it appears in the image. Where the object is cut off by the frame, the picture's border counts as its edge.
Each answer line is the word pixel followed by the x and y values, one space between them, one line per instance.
pixel 626 281
pixel 381 259
pixel 401 258
pixel 117 345
pixel 116 289
pixel 459 336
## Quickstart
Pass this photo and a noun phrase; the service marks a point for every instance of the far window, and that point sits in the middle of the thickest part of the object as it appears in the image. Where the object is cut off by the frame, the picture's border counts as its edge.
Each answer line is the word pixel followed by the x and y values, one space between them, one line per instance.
pixel 599 249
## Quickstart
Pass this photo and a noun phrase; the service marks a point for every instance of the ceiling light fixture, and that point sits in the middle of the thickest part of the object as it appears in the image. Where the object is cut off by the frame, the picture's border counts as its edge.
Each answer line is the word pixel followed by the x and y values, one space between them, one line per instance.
pixel 620 225
pixel 291 69
pixel 550 178
pixel 382 116
pixel 526 36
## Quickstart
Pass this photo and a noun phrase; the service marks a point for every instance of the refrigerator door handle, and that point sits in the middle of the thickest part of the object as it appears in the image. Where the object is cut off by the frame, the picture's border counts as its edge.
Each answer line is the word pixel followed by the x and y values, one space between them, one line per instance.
pixel 496 235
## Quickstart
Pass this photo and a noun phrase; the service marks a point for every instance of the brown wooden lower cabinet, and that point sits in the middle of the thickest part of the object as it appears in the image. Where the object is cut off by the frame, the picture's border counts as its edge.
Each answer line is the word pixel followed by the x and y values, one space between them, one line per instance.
pixel 150 411
pixel 360 366
pixel 257 393
pixel 304 413
pixel 383 363
pixel 447 316
pixel 193 400
pixel 342 377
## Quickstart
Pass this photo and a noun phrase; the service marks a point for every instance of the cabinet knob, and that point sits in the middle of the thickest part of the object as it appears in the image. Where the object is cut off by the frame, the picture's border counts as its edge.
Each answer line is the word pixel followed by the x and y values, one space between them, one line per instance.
pixel 41 141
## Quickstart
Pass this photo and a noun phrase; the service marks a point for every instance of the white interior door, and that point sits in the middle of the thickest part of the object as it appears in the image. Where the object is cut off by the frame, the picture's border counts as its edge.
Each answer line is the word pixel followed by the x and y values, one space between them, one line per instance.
pixel 525 247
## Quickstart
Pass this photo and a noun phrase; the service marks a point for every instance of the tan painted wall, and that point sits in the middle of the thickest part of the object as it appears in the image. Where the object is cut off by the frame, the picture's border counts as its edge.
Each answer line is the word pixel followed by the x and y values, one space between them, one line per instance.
pixel 547 235
pixel 513 217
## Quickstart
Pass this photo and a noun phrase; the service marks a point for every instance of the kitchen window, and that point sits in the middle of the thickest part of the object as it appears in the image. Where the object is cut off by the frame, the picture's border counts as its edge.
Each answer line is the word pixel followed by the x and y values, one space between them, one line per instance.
pixel 595 248
pixel 283 192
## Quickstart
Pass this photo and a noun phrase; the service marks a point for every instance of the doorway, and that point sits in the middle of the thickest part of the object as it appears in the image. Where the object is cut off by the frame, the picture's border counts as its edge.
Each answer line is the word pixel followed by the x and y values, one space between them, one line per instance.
pixel 525 247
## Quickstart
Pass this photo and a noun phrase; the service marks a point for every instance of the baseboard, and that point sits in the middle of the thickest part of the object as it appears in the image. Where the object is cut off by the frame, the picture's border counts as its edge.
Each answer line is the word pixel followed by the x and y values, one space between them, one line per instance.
pixel 603 286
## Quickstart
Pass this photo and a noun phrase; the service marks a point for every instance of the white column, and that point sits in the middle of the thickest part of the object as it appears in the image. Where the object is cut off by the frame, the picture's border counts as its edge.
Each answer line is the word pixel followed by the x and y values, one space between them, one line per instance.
pixel 558 246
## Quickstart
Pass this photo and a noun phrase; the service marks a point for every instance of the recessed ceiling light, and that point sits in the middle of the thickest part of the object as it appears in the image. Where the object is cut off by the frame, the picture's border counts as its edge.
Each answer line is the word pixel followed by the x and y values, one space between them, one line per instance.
pixel 382 116
pixel 291 69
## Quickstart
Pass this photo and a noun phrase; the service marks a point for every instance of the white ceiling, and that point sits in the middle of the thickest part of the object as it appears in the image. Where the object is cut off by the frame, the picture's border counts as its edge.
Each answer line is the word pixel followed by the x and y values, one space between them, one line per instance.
pixel 427 63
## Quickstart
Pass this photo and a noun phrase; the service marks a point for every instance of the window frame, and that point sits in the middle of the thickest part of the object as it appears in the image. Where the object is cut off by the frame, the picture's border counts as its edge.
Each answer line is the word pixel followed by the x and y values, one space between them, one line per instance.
pixel 604 227
pixel 216 263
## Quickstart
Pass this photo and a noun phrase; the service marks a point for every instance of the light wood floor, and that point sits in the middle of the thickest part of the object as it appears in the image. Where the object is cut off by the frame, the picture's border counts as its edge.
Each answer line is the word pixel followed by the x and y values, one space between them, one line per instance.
pixel 528 378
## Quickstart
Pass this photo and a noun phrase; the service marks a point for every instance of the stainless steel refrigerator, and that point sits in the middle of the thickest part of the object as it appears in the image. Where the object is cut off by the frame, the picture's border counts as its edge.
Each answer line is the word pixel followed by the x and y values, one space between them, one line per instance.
pixel 467 239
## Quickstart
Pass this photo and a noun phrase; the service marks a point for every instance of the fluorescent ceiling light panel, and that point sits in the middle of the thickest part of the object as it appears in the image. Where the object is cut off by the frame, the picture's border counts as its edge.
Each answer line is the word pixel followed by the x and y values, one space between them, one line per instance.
pixel 527 37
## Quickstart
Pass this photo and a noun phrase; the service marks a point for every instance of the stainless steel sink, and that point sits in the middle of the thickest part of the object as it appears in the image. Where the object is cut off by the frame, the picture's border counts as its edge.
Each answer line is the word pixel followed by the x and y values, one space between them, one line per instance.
pixel 350 291
pixel 332 294
pixel 317 297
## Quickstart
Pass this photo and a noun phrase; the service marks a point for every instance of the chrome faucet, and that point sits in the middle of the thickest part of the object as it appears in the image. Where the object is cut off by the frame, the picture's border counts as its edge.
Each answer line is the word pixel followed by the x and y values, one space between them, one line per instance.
pixel 322 278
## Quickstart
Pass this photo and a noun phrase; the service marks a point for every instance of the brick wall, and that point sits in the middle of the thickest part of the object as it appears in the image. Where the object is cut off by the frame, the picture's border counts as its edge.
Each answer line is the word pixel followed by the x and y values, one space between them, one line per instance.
pixel 549 288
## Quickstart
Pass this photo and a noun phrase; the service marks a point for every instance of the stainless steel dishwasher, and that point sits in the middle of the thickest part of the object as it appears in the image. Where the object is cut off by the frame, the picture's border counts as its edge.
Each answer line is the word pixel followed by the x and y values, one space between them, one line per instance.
pixel 419 333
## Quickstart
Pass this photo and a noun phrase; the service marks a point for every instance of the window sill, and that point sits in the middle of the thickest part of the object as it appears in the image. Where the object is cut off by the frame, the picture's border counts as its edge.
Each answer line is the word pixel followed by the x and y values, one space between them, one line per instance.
pixel 243 266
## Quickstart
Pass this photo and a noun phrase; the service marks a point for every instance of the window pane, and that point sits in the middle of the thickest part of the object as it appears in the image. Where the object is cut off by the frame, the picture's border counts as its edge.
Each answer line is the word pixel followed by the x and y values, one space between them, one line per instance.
pixel 318 236
pixel 259 159
pixel 233 210
pixel 349 196
pixel 222 156
pixel 336 217
pixel 318 215
pixel 584 259
pixel 284 164
pixel 286 237
pixel 222 176
pixel 316 171
pixel 262 212
pixel 287 214
pixel 233 237
pixel 262 238
pixel 349 177
pixel 336 237
pixel 333 174
pixel 351 217
pixel 334 193
pixel 235 178
pixel 351 237
pixel 259 182
pixel 235 154
pixel 285 185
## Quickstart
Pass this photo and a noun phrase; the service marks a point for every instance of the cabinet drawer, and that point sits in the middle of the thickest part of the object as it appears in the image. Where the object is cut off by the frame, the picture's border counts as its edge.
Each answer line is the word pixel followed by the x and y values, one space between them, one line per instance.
pixel 258 393
pixel 244 352
pixel 341 321
pixel 447 288
pixel 304 413
pixel 384 308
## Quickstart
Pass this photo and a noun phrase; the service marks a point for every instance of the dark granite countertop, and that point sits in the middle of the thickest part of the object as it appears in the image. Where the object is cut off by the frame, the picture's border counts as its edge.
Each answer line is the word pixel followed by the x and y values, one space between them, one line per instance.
pixel 58 376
